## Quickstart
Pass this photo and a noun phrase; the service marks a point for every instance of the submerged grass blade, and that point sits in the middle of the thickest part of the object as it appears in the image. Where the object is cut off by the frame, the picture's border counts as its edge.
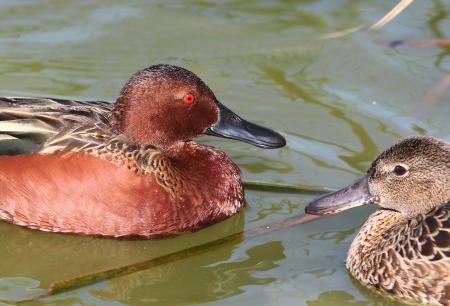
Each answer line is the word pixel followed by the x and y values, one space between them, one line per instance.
pixel 89 279
pixel 342 33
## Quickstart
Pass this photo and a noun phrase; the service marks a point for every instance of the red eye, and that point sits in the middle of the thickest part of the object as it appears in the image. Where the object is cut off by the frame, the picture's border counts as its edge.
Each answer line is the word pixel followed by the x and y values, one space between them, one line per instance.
pixel 188 99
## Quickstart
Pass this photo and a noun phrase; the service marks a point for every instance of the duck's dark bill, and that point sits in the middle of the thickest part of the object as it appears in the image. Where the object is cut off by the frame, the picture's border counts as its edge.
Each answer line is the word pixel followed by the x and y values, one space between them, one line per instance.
pixel 356 194
pixel 232 126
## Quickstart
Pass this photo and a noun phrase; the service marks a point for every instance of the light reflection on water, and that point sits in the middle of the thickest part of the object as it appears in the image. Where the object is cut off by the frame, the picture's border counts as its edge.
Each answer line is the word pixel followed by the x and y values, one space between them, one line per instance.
pixel 338 102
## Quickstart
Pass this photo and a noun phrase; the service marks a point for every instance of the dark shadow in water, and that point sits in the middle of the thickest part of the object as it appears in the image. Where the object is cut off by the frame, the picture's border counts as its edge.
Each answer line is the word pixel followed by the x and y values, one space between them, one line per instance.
pixel 48 256
pixel 335 298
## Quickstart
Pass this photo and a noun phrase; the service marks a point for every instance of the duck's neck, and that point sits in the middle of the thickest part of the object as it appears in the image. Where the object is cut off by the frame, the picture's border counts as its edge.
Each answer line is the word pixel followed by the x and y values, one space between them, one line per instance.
pixel 370 242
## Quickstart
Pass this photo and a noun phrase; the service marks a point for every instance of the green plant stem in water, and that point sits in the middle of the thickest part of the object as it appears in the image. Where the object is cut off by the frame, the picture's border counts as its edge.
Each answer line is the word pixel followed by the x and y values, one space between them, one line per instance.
pixel 287 188
pixel 88 279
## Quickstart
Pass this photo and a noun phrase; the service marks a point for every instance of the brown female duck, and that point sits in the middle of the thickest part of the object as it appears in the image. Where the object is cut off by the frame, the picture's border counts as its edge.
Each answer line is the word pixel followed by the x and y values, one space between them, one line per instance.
pixel 403 247
pixel 125 169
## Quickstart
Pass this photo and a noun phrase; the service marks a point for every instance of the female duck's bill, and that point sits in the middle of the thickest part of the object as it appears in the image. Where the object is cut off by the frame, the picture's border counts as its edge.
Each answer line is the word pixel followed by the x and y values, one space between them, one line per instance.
pixel 230 125
pixel 354 195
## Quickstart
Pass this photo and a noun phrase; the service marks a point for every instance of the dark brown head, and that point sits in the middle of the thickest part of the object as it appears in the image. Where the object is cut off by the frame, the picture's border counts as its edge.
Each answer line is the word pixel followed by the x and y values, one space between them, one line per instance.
pixel 412 177
pixel 164 104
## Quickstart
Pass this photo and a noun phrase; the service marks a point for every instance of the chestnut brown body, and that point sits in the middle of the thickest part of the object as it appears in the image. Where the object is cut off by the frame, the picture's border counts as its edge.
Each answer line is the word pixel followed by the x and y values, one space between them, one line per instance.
pixel 124 169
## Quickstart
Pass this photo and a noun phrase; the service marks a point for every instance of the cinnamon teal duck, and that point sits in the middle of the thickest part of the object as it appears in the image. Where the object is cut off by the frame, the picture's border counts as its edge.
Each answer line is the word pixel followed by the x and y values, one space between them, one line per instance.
pixel 404 246
pixel 125 169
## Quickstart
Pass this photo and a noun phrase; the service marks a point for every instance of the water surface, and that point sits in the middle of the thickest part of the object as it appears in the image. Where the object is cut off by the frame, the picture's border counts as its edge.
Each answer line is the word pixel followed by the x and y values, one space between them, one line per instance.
pixel 339 102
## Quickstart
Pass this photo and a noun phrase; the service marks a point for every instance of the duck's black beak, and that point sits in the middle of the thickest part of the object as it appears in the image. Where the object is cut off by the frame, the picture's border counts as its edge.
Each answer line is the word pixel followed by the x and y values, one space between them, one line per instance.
pixel 232 126
pixel 356 194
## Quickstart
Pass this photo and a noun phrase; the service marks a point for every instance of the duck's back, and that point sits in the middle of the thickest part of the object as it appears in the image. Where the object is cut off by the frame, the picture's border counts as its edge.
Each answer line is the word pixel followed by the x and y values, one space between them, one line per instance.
pixel 36 124
pixel 410 259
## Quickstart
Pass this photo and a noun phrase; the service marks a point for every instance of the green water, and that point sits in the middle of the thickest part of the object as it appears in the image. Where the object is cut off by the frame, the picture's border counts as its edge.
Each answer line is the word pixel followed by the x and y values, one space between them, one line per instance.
pixel 338 102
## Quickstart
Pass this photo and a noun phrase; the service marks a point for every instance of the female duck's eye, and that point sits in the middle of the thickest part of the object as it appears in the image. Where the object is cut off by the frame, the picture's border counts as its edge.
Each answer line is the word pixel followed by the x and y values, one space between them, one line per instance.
pixel 188 99
pixel 399 170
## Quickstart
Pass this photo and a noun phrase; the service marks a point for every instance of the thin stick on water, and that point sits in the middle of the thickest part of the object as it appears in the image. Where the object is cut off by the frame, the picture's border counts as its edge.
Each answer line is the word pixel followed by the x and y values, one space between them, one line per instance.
pixel 403 4
pixel 341 33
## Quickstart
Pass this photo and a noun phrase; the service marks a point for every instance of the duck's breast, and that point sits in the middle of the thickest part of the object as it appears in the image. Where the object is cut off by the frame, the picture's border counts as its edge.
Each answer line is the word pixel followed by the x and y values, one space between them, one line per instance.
pixel 409 258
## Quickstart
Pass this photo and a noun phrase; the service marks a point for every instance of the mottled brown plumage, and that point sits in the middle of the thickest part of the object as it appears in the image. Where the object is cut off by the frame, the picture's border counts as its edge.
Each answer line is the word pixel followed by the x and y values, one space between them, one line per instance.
pixel 407 257
pixel 404 247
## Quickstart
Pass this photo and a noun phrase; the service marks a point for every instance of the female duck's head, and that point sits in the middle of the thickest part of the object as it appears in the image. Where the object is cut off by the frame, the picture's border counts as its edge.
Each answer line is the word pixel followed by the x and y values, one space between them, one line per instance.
pixel 163 105
pixel 412 177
